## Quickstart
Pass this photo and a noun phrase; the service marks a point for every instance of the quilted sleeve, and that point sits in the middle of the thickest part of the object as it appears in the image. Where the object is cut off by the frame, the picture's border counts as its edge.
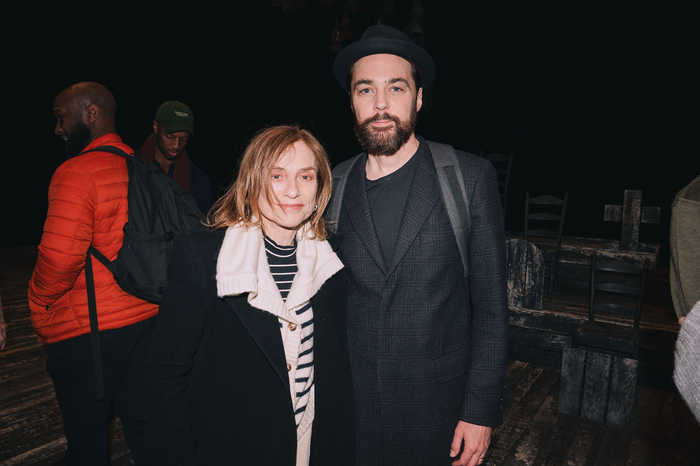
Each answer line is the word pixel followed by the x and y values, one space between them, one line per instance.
pixel 66 238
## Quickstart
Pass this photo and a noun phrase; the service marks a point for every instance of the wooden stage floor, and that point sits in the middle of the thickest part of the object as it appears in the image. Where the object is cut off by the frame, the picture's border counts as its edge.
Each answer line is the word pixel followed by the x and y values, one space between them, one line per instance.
pixel 663 430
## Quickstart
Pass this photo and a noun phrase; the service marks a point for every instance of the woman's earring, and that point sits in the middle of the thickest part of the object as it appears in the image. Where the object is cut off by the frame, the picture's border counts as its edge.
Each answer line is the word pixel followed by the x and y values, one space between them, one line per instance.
pixel 315 207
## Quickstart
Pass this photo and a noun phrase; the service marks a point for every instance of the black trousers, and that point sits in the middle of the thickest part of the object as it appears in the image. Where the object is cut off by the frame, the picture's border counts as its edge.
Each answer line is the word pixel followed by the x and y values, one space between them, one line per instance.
pixel 86 420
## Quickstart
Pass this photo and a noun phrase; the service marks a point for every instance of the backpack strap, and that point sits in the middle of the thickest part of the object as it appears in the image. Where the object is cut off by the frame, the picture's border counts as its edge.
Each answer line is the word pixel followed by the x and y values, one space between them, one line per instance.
pixel 454 195
pixel 92 300
pixel 110 149
pixel 94 329
pixel 340 176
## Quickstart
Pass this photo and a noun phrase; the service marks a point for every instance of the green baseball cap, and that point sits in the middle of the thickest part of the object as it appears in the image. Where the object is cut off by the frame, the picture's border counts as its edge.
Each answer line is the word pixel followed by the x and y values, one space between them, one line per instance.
pixel 175 116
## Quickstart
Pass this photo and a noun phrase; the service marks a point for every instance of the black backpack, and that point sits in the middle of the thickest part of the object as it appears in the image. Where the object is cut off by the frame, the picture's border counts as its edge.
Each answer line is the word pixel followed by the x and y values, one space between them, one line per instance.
pixel 159 210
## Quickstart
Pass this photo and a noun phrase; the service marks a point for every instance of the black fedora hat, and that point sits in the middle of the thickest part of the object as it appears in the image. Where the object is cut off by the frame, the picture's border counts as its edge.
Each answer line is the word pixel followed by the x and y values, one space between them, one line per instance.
pixel 384 39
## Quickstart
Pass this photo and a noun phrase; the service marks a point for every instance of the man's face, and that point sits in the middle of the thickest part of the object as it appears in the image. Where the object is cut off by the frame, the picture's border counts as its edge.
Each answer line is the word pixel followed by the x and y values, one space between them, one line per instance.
pixel 385 103
pixel 170 145
pixel 70 126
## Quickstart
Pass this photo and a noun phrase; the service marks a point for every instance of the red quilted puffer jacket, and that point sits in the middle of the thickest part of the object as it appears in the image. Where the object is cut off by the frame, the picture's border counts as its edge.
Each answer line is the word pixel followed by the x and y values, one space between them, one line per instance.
pixel 87 203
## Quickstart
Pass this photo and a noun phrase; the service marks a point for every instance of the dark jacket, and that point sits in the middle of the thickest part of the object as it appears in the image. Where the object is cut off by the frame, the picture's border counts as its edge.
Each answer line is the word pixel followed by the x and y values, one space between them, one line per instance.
pixel 427 346
pixel 218 378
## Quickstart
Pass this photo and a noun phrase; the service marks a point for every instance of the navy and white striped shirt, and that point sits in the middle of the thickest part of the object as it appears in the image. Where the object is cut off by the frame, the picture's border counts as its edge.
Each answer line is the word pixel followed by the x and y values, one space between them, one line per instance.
pixel 283 266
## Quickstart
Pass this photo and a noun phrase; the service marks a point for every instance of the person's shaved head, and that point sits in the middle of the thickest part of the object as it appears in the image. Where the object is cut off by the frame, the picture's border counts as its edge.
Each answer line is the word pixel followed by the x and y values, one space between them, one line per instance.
pixel 85 111
pixel 84 94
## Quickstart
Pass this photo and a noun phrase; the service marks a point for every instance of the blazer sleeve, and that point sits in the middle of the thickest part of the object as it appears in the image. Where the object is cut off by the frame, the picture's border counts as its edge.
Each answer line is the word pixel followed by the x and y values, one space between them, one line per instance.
pixel 175 342
pixel 488 296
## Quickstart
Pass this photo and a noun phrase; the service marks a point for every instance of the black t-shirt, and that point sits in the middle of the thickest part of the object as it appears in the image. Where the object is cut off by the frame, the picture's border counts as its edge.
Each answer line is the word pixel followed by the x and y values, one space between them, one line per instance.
pixel 387 199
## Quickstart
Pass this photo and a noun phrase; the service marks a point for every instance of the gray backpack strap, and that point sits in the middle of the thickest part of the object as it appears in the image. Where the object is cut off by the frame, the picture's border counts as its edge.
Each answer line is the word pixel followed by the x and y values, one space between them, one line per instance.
pixel 340 176
pixel 454 194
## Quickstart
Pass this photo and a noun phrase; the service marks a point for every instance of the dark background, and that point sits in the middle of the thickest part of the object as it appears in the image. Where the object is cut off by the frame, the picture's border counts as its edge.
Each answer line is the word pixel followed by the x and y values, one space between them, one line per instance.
pixel 592 99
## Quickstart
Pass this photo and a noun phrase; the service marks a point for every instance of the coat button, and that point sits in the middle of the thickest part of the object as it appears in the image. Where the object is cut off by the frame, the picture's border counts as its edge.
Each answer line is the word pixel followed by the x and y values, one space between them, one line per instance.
pixel 289 367
pixel 292 326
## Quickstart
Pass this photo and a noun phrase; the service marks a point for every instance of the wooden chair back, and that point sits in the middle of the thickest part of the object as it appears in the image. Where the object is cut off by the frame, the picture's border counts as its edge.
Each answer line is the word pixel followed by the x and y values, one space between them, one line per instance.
pixel 617 286
pixel 502 164
pixel 544 216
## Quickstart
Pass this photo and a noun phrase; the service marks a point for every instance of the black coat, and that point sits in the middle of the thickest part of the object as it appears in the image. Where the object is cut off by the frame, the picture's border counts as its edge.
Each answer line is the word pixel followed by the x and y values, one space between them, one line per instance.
pixel 428 346
pixel 217 372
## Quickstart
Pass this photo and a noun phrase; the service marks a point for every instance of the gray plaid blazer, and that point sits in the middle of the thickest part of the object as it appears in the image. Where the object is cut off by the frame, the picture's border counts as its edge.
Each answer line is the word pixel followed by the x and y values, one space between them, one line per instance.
pixel 427 346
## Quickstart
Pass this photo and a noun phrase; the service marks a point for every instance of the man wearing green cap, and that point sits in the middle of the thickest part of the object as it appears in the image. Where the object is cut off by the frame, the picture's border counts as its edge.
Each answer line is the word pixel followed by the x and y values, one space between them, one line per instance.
pixel 172 129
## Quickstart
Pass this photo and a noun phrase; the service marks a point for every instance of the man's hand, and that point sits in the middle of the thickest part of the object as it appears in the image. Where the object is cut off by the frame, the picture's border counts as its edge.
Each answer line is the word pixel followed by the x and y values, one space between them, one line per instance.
pixel 476 440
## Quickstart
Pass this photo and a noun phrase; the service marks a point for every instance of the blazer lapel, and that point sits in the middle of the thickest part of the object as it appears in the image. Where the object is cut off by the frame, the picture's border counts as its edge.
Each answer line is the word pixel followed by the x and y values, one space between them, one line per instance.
pixel 357 205
pixel 422 196
pixel 263 328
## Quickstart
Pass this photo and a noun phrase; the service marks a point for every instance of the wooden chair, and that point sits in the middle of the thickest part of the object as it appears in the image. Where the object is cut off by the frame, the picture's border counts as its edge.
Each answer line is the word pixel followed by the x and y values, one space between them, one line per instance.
pixel 541 212
pixel 617 287
pixel 502 164
pixel 599 371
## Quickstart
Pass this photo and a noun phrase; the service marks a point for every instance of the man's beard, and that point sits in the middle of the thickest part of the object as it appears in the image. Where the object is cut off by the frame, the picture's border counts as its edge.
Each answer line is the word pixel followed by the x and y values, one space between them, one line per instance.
pixel 79 138
pixel 385 141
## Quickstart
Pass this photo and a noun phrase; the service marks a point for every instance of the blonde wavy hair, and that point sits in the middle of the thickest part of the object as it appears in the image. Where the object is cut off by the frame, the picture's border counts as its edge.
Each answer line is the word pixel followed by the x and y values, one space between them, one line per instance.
pixel 240 203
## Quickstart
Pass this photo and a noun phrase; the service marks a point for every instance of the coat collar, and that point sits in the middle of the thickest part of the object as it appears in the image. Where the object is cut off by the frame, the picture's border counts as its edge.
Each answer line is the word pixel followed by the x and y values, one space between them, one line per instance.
pixel 242 268
pixel 422 196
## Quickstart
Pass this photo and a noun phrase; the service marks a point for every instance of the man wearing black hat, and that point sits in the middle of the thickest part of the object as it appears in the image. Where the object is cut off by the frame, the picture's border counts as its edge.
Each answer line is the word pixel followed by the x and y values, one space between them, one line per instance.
pixel 173 127
pixel 428 340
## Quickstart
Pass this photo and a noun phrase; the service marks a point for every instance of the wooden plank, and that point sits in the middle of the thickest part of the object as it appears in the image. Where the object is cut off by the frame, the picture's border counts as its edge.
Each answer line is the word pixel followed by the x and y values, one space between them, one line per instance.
pixel 646 411
pixel 614 447
pixel 537 435
pixel 537 356
pixel 595 386
pixel 691 446
pixel 545 320
pixel 518 388
pixel 642 450
pixel 571 385
pixel 562 437
pixel 584 448
pixel 514 369
pixel 518 416
pixel 47 454
pixel 622 386
pixel 670 431
pixel 525 274
pixel 539 339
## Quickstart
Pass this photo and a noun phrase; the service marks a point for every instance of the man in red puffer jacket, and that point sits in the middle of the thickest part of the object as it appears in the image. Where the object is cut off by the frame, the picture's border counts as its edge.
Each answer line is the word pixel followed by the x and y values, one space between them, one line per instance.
pixel 88 205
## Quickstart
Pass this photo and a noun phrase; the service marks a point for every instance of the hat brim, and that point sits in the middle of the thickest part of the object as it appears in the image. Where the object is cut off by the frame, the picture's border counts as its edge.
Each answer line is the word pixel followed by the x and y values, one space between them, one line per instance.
pixel 175 126
pixel 406 50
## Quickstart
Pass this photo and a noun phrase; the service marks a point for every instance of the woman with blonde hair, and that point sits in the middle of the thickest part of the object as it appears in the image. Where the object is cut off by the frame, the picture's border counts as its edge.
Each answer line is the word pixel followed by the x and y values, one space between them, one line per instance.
pixel 249 363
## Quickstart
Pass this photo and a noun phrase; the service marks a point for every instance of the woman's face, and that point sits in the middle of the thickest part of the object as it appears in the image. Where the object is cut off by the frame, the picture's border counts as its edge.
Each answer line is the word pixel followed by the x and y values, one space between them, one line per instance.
pixel 293 182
